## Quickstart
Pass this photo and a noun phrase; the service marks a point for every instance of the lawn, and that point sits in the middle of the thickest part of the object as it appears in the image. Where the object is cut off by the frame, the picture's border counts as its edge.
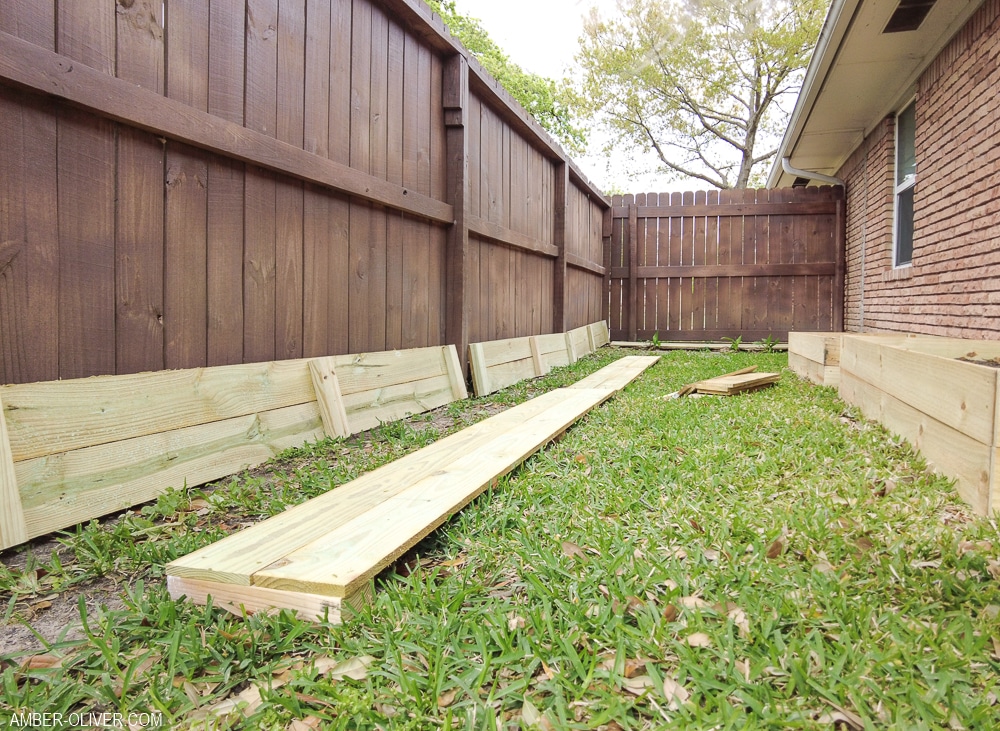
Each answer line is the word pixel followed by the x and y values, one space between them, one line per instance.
pixel 768 560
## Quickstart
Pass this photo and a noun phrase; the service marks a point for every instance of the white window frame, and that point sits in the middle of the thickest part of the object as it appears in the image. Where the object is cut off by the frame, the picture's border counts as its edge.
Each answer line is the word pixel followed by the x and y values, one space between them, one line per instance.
pixel 900 187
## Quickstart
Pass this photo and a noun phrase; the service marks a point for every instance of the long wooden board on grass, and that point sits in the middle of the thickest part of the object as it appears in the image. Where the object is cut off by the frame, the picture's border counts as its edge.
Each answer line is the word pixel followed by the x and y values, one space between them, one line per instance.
pixel 74 450
pixel 320 555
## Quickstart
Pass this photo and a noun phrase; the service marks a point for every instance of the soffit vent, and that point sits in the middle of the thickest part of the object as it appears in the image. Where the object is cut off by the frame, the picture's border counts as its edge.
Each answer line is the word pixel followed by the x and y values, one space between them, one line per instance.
pixel 909 14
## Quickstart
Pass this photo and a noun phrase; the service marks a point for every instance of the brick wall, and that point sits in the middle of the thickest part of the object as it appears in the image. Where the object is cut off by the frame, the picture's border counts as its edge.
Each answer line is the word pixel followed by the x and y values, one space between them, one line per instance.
pixel 953 286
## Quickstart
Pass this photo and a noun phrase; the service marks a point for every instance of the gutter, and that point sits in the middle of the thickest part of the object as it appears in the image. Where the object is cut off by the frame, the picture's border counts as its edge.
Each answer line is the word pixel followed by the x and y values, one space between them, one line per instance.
pixel 798 173
pixel 835 27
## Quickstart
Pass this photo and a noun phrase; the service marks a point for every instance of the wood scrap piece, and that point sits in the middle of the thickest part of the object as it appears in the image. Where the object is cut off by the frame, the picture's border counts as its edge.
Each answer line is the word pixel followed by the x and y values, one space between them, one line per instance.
pixel 692 387
pixel 12 525
pixel 730 385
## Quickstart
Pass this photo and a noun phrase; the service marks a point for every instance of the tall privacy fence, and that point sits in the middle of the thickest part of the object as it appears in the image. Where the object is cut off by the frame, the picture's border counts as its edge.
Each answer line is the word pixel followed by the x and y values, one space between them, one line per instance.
pixel 207 182
pixel 725 264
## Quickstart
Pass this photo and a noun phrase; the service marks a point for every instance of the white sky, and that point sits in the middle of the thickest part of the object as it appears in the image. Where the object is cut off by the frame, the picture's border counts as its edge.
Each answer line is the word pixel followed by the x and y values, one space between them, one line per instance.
pixel 542 36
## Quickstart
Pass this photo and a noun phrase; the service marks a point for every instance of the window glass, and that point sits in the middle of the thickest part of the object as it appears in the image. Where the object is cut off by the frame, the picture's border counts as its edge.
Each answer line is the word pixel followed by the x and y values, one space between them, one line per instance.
pixel 906 155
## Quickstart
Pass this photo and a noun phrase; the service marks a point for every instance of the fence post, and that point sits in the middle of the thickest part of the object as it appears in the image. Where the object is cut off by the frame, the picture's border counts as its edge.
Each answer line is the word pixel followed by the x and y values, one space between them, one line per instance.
pixel 455 98
pixel 606 228
pixel 559 201
pixel 633 272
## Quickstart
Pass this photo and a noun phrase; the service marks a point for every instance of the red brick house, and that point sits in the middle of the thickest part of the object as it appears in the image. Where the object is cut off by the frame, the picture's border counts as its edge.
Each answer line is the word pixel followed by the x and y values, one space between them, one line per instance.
pixel 901 103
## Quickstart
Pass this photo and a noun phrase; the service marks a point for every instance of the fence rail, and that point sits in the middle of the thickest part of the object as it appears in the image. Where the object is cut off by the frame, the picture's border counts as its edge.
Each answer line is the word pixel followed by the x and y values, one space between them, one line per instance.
pixel 206 182
pixel 718 264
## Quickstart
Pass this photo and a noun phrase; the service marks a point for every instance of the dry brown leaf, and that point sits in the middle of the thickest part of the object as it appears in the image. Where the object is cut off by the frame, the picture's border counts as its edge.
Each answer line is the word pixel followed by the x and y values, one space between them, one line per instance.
pixel 693 602
pixel 699 639
pixel 775 549
pixel 670 613
pixel 355 668
pixel 41 662
pixel 447 698
pixel 638 685
pixel 710 554
pixel 843 715
pixel 741 621
pixel 996 648
pixel 39 606
pixel 635 604
pixel 572 550
pixel 309 723
pixel 743 667
pixel 823 567
pixel 864 544
pixel 696 525
pixel 675 693
pixel 199 503
pixel 993 567
pixel 515 622
pixel 633 667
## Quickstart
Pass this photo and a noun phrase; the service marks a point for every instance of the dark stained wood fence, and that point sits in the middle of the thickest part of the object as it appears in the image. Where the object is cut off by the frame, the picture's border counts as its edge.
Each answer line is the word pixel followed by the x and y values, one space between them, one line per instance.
pixel 203 182
pixel 737 263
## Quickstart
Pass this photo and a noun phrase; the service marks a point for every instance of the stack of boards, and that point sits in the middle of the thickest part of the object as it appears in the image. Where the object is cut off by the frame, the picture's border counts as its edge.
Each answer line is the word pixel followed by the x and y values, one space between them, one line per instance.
pixel 746 379
pixel 319 557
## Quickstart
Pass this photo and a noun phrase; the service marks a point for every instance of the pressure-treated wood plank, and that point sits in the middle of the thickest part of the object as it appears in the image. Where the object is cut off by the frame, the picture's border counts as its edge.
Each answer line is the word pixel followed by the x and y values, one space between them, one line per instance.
pixel 822 375
pixel 948 451
pixel 480 371
pixel 12 526
pixel 65 489
pixel 538 358
pixel 729 385
pixel 253 599
pixel 619 374
pixel 341 562
pixel 57 416
pixel 580 340
pixel 331 403
pixel 819 347
pixel 553 348
pixel 455 373
pixel 235 558
pixel 368 409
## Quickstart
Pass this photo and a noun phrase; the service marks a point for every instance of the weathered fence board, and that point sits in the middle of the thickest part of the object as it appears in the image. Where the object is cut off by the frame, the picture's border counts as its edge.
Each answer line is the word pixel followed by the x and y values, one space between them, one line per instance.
pixel 741 263
pixel 242 182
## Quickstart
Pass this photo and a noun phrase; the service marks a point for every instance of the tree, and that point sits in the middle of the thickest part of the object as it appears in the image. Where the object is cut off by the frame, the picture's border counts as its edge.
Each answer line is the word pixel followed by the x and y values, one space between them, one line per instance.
pixel 547 102
pixel 699 83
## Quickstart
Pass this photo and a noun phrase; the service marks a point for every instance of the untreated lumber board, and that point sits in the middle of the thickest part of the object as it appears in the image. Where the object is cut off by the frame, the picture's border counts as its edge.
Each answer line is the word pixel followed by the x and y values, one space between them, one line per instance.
pixel 77 449
pixel 497 364
pixel 331 546
pixel 329 398
pixel 12 525
pixel 251 600
pixel 235 558
pixel 917 378
pixel 552 348
pixel 75 486
pixel 947 450
pixel 341 562
pixel 58 416
pixel 619 374
pixel 730 385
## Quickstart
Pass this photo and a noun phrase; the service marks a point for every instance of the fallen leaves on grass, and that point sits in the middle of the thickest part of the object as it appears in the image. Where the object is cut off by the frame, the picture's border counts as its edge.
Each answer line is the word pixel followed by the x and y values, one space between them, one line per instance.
pixel 355 668
pixel 699 639
pixel 675 693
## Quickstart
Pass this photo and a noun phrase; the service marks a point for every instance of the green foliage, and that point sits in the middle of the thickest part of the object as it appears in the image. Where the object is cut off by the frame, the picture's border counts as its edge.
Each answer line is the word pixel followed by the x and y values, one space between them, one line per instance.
pixel 762 561
pixel 698 83
pixel 547 101
pixel 734 343
pixel 767 344
pixel 656 339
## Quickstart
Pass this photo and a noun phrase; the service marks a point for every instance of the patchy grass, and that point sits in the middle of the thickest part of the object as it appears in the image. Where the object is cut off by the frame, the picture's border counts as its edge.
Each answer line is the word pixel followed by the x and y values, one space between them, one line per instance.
pixel 761 561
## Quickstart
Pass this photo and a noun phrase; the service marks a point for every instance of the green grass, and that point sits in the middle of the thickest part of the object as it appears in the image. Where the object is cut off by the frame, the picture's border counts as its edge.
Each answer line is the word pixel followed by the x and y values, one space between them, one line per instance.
pixel 768 560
